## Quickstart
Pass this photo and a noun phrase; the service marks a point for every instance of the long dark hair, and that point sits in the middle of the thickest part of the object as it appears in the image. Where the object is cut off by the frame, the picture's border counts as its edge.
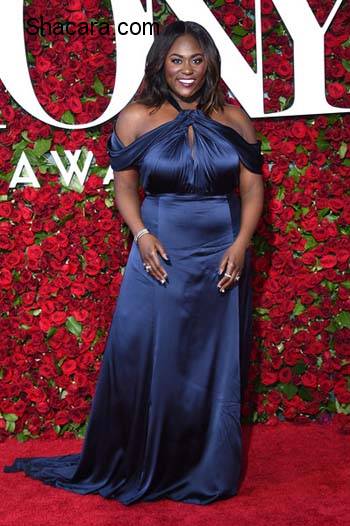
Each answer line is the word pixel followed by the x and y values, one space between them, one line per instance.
pixel 154 88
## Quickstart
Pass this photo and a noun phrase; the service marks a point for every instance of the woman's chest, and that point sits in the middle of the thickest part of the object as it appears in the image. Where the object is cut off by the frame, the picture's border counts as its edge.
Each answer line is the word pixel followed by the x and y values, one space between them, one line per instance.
pixel 188 160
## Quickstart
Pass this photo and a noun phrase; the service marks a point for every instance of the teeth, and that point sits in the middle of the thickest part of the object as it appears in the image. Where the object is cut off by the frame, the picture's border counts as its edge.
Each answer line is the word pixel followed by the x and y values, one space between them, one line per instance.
pixel 186 81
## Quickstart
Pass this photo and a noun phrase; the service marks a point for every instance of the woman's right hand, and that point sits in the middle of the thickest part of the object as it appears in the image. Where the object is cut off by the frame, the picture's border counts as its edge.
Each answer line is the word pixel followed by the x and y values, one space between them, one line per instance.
pixel 148 246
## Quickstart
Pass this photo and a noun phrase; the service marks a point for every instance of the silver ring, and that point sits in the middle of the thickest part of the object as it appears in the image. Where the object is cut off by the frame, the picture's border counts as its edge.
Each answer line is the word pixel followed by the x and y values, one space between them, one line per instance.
pixel 228 275
pixel 147 267
pixel 237 277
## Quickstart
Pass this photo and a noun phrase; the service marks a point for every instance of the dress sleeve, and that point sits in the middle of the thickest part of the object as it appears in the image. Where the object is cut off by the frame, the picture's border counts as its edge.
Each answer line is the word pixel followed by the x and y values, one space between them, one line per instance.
pixel 123 157
pixel 250 155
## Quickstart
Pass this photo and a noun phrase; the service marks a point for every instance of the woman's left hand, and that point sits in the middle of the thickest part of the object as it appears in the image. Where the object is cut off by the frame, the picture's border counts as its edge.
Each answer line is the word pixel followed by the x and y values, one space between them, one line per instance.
pixel 231 263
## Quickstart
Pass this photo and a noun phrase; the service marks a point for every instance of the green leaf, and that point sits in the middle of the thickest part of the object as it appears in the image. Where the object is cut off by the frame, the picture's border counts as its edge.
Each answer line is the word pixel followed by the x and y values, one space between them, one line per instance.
pixel 299 308
pixel 343 319
pixel 342 408
pixel 10 426
pixel 10 417
pixel 299 367
pixel 332 327
pixel 68 117
pixel 280 193
pixel 219 3
pixel 23 435
pixel 42 146
pixel 342 150
pixel 346 284
pixel 109 202
pixel 51 332
pixel 239 31
pixel 21 145
pixel 291 225
pixel 289 390
pixel 310 241
pixel 59 149
pixel 332 118
pixel 346 64
pixel 304 393
pixel 265 144
pixel 261 310
pixel 43 169
pixel 98 86
pixel 74 326
pixel 322 143
pixel 24 134
pixel 74 184
pixel 322 212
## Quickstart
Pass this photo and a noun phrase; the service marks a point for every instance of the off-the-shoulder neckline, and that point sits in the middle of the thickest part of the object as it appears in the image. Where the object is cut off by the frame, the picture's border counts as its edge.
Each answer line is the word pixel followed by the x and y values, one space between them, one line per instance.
pixel 167 123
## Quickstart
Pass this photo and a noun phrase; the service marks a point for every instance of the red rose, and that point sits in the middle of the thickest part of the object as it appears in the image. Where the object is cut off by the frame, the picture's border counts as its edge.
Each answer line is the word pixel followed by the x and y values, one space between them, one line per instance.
pixel 328 261
pixel 285 375
pixel 336 90
pixel 43 65
pixel 68 367
pixel 5 278
pixel 309 380
pixel 268 378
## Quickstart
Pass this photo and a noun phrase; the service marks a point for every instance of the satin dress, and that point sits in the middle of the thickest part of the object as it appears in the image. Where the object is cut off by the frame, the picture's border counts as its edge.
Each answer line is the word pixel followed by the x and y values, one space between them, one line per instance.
pixel 165 417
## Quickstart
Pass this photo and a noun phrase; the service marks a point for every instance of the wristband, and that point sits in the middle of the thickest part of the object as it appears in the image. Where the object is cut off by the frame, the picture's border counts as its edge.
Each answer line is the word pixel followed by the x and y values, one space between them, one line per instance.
pixel 140 233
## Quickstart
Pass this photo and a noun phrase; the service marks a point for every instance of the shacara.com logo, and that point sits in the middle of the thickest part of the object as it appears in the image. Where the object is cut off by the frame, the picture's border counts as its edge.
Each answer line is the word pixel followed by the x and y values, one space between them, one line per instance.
pixel 42 27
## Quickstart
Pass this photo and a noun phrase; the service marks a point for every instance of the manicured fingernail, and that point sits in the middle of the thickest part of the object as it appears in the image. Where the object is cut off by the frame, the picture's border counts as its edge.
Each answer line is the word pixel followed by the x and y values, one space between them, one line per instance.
pixel 162 281
pixel 166 257
pixel 222 290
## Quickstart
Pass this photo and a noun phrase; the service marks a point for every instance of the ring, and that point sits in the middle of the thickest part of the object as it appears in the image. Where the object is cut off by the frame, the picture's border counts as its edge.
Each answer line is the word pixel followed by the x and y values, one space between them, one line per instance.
pixel 228 275
pixel 147 267
pixel 237 277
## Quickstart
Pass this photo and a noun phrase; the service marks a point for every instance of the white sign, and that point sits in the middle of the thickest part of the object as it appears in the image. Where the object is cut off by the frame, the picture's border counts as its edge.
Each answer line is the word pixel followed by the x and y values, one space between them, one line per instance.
pixel 243 82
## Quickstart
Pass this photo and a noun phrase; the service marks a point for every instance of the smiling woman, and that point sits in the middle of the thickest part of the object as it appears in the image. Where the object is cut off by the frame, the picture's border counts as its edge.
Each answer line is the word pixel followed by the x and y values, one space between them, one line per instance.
pixel 165 419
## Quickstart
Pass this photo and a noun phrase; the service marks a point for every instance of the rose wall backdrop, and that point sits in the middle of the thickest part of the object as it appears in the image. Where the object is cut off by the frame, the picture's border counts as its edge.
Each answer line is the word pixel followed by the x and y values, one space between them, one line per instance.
pixel 63 249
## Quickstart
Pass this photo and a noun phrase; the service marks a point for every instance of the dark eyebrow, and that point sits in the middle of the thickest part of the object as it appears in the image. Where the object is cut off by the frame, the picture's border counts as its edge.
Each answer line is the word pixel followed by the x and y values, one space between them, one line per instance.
pixel 194 55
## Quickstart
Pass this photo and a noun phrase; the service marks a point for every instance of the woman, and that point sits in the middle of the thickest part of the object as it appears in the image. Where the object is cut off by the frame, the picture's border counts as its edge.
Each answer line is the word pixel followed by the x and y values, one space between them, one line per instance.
pixel 165 418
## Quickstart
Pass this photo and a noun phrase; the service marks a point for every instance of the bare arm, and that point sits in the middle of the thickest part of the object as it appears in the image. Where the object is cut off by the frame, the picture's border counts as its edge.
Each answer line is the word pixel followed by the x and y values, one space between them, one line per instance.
pixel 252 200
pixel 251 185
pixel 127 199
pixel 126 181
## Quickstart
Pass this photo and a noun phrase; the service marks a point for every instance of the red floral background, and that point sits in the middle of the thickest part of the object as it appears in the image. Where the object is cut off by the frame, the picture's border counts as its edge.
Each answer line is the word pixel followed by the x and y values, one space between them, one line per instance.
pixel 63 249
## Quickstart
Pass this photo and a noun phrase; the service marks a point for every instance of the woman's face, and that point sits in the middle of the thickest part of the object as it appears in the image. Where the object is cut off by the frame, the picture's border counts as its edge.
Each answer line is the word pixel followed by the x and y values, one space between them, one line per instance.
pixel 185 67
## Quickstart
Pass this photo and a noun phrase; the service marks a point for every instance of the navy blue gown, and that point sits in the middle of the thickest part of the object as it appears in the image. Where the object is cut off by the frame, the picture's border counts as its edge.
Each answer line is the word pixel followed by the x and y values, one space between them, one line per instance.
pixel 165 418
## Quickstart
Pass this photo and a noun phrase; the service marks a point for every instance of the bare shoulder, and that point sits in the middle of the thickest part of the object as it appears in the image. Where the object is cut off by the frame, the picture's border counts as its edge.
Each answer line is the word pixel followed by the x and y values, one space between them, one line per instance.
pixel 130 119
pixel 238 119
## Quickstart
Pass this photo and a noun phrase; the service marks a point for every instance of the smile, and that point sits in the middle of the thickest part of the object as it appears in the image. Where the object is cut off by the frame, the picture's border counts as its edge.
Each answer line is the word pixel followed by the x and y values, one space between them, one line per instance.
pixel 186 82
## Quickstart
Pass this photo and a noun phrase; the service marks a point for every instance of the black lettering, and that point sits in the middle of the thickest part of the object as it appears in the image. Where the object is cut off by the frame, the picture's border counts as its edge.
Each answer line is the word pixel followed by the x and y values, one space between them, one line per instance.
pixel 83 28
pixel 124 24
pixel 147 24
pixel 92 27
pixel 67 28
pixel 42 24
pixel 138 27
pixel 103 28
pixel 57 28
pixel 31 24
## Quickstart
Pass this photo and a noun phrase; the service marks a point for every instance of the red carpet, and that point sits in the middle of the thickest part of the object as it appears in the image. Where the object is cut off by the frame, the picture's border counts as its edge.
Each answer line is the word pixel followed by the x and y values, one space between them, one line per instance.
pixel 294 475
